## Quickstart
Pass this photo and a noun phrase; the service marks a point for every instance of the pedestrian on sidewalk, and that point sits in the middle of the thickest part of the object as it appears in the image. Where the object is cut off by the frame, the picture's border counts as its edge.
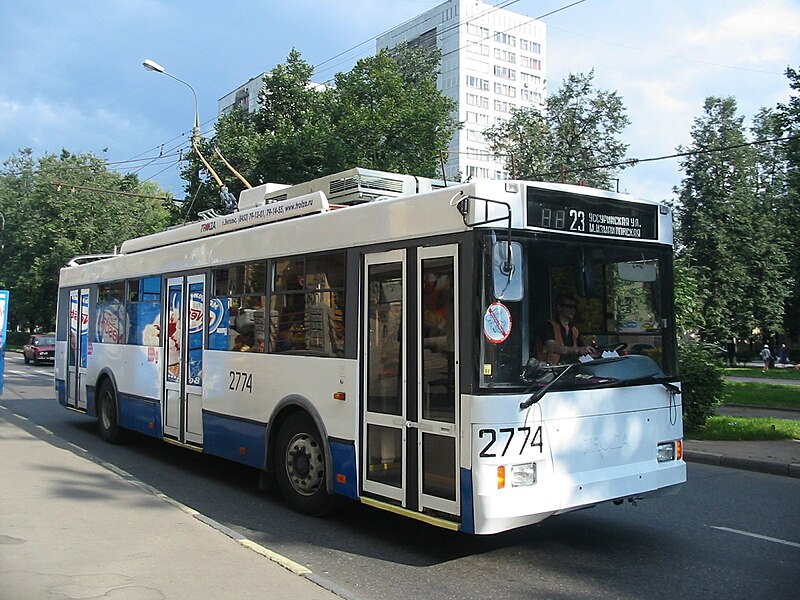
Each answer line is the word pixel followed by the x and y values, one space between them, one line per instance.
pixel 783 355
pixel 766 356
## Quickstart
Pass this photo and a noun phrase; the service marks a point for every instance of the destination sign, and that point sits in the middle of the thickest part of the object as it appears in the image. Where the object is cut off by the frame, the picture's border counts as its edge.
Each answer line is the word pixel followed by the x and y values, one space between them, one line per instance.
pixel 559 211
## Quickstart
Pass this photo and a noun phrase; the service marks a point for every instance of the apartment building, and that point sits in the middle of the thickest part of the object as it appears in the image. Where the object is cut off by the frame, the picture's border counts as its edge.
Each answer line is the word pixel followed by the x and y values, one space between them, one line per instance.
pixel 493 60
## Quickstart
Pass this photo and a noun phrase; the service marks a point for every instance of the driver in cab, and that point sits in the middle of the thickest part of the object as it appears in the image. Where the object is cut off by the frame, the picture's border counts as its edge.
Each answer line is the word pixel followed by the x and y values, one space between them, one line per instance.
pixel 560 340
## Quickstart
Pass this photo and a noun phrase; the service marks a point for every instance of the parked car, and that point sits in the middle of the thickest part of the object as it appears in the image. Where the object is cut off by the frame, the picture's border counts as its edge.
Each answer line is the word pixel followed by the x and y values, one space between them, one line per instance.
pixel 40 348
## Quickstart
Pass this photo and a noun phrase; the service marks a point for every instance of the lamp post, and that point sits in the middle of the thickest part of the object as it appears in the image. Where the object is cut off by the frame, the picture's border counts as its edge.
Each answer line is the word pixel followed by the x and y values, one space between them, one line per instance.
pixel 152 65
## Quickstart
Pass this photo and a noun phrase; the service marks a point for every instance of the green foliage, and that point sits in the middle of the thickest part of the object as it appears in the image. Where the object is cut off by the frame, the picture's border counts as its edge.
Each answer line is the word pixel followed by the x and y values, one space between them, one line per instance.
pixel 730 233
pixel 750 429
pixel 52 221
pixel 702 384
pixel 788 116
pixel 384 114
pixel 688 316
pixel 570 140
pixel 389 115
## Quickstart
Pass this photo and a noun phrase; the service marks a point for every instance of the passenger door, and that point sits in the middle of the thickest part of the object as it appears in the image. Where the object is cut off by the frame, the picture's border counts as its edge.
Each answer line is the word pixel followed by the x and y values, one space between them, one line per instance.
pixel 184 339
pixel 78 348
pixel 410 403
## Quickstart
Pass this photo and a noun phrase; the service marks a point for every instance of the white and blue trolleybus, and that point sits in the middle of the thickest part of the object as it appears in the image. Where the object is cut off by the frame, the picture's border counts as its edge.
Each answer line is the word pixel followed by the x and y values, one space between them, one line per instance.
pixel 383 338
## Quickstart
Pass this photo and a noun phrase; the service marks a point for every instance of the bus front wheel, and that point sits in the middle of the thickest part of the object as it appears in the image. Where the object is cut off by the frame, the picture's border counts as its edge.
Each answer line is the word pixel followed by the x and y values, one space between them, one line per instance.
pixel 107 421
pixel 300 466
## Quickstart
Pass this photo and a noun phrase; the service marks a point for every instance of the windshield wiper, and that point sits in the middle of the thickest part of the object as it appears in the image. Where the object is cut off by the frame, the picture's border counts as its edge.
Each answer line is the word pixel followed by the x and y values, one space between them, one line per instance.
pixel 536 396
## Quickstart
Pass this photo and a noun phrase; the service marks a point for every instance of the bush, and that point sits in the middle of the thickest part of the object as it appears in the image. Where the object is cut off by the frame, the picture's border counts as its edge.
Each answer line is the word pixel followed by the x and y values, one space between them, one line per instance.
pixel 702 380
pixel 16 339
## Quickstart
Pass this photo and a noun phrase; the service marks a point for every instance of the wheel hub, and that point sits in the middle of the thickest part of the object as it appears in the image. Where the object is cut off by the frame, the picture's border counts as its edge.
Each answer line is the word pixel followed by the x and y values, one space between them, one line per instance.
pixel 305 464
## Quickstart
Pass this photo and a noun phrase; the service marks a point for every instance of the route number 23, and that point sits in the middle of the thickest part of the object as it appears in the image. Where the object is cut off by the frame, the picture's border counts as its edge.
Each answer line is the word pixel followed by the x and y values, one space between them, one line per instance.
pixel 493 434
pixel 578 220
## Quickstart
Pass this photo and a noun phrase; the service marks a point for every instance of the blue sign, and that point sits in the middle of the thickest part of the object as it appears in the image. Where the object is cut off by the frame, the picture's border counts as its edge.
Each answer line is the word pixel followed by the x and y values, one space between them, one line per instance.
pixel 3 325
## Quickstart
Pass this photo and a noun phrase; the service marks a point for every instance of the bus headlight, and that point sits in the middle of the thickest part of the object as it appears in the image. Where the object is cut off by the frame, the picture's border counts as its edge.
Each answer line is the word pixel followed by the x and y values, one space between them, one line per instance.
pixel 666 451
pixel 522 475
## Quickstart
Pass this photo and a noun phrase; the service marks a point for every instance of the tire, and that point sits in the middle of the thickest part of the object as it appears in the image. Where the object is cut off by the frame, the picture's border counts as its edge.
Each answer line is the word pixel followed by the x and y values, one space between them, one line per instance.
pixel 107 413
pixel 300 467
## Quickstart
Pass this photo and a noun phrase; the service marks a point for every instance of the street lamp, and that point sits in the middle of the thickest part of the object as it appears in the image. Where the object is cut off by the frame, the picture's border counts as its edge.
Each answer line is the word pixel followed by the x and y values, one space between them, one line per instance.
pixel 152 65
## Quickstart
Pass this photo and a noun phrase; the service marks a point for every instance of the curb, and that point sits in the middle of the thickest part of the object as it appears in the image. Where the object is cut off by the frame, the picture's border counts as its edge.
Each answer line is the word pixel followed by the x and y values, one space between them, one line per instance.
pixel 771 467
pixel 49 437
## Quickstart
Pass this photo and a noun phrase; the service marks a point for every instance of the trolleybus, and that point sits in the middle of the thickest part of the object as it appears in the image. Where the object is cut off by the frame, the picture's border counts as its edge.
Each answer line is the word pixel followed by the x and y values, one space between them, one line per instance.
pixel 380 337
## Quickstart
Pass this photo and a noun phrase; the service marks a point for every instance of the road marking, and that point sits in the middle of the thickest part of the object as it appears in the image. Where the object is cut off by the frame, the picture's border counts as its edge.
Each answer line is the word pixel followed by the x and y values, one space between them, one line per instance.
pixel 20 373
pixel 757 535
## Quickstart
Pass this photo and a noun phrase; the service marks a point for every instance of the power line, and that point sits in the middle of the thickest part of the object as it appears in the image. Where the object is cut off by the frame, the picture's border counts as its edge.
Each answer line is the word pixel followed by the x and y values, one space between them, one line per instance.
pixel 73 186
pixel 636 161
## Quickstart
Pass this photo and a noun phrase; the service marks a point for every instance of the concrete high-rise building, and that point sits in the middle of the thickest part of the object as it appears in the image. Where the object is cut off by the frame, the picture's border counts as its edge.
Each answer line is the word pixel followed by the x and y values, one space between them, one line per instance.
pixel 245 96
pixel 492 61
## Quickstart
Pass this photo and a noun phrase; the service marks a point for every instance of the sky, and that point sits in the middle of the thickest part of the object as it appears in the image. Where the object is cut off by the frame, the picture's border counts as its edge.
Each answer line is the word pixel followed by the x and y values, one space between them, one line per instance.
pixel 72 75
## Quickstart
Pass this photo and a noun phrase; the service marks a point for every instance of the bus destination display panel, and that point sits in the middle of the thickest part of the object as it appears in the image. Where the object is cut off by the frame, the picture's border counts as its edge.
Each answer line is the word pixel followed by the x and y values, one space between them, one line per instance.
pixel 559 211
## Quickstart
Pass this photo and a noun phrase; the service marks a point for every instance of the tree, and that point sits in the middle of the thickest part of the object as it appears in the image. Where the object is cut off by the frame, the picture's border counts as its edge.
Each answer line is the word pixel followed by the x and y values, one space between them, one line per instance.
pixel 389 114
pixel 688 316
pixel 55 217
pixel 384 114
pixel 288 140
pixel 770 282
pixel 728 228
pixel 788 116
pixel 571 140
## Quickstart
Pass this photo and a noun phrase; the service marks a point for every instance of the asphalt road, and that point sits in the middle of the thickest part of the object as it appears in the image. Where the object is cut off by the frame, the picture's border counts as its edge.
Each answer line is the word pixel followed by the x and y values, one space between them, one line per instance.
pixel 727 534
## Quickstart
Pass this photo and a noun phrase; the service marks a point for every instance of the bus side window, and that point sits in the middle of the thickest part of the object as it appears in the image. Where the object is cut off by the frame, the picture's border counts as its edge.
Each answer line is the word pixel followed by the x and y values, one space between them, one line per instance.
pixel 111 316
pixel 307 306
pixel 241 291
pixel 144 311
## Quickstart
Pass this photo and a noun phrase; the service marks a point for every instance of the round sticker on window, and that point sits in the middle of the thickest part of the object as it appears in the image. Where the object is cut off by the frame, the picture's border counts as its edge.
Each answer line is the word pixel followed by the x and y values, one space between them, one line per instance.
pixel 497 323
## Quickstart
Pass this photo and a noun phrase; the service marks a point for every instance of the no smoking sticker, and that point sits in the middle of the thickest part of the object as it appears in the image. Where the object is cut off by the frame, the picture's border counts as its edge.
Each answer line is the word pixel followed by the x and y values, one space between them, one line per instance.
pixel 497 323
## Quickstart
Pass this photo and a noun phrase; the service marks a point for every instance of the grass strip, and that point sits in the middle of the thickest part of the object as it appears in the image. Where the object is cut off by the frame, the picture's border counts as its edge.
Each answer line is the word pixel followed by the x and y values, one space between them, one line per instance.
pixel 746 429
pixel 761 394
pixel 777 373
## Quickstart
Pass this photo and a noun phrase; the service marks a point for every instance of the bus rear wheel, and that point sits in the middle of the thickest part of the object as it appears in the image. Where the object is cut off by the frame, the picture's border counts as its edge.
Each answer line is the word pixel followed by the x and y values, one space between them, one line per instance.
pixel 107 414
pixel 300 466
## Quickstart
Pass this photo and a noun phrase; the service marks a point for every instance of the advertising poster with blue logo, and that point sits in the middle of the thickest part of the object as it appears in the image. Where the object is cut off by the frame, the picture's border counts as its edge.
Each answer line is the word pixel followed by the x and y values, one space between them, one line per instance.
pixel 195 342
pixel 3 325
pixel 218 323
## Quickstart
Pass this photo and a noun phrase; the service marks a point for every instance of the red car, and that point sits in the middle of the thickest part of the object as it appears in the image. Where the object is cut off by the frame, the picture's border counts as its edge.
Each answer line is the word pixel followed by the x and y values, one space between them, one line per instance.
pixel 40 348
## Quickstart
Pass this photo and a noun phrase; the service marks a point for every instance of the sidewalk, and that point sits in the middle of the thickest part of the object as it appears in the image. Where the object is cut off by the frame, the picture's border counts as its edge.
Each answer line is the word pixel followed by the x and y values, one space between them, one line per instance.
pixel 779 457
pixel 72 528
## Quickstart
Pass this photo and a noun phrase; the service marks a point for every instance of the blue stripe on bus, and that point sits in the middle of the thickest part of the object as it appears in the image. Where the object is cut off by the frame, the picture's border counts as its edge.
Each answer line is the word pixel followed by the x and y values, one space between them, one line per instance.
pixel 140 414
pixel 61 391
pixel 235 439
pixel 467 512
pixel 343 454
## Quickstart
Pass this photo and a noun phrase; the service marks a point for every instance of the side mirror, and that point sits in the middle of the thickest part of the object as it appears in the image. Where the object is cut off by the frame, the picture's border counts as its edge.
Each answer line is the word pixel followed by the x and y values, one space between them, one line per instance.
pixel 507 271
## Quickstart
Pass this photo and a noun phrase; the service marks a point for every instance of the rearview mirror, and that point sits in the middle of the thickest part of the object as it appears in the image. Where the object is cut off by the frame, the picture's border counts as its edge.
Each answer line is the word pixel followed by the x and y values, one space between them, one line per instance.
pixel 638 271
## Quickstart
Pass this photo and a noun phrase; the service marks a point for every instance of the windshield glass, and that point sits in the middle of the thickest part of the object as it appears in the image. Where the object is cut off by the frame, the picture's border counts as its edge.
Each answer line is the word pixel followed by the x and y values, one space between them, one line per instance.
pixel 44 341
pixel 580 301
